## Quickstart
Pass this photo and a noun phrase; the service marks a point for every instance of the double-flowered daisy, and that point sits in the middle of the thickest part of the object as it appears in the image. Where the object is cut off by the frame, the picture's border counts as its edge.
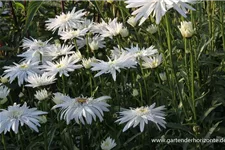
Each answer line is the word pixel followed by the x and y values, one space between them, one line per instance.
pixel 21 71
pixel 157 8
pixel 17 115
pixel 37 50
pixel 82 109
pixel 65 22
pixel 125 60
pixel 113 28
pixel 60 50
pixel 140 53
pixel 62 67
pixel 37 80
pixel 141 116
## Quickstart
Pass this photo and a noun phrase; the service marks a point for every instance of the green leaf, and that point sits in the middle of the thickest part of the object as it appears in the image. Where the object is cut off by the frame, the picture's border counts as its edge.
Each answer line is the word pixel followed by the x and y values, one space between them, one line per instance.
pixel 32 9
pixel 207 112
pixel 211 130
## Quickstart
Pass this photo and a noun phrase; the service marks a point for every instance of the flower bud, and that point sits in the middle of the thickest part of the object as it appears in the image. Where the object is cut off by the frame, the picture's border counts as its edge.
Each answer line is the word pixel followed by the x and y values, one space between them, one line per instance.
pixel 131 21
pixel 186 29
pixel 124 32
pixel 152 29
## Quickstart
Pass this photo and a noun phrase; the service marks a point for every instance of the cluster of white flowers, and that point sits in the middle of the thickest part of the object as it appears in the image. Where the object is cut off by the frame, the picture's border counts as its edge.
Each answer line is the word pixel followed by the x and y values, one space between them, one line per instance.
pixel 43 63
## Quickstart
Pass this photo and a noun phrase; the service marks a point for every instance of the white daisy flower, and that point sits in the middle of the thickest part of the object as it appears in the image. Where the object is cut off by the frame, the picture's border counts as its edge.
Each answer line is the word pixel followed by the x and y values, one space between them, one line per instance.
pixel 83 110
pixel 60 50
pixel 152 62
pixel 35 45
pixel 41 94
pixel 16 115
pixel 36 56
pixel 182 7
pixel 66 64
pixel 65 22
pixel 141 116
pixel 21 71
pixel 37 80
pixel 124 61
pixel 157 7
pixel 146 7
pixel 59 98
pixel 94 43
pixel 98 27
pixel 113 28
pixel 71 34
pixel 140 53
pixel 108 144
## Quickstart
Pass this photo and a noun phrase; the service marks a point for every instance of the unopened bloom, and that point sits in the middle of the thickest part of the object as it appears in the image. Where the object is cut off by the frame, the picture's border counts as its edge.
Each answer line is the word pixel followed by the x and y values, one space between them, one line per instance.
pixel 141 116
pixel 83 109
pixel 132 21
pixel 41 95
pixel 4 92
pixel 124 32
pixel 87 62
pixel 152 62
pixel 152 29
pixel 4 79
pixel 186 29
pixel 19 115
pixel 108 144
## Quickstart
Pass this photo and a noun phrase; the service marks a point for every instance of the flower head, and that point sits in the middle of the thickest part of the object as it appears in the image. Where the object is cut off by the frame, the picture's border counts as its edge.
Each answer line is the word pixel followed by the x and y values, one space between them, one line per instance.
pixel 37 80
pixel 41 95
pixel 152 62
pixel 21 71
pixel 83 109
pixel 126 60
pixel 19 115
pixel 65 65
pixel 141 116
pixel 65 22
pixel 108 144
pixel 186 29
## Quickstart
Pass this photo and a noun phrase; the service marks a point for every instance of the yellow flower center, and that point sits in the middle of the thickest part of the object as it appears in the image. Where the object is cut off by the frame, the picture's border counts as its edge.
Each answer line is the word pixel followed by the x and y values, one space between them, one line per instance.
pixel 16 114
pixel 24 66
pixel 142 111
pixel 81 100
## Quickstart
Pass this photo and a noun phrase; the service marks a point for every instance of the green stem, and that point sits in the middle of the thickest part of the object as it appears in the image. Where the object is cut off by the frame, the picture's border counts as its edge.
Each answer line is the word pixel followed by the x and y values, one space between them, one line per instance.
pixel 192 80
pixel 171 57
pixel 63 84
pixel 3 141
pixel 222 24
